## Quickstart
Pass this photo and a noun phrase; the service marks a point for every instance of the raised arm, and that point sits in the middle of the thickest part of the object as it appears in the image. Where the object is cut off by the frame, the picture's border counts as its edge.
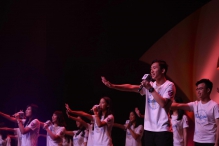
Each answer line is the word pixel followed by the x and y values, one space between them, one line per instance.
pixel 138 113
pixel 79 113
pixel 120 87
pixel 78 119
pixel 8 117
pixel 182 106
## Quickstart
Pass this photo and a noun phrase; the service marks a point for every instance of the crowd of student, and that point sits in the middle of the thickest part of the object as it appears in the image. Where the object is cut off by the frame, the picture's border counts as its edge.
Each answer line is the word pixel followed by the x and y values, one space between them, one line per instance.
pixel 165 123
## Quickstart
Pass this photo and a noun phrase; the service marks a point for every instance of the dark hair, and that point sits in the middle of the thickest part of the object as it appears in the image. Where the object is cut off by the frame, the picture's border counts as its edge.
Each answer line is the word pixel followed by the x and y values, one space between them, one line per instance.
pixel 180 111
pixel 109 108
pixel 34 113
pixel 81 129
pixel 137 120
pixel 60 118
pixel 207 83
pixel 162 64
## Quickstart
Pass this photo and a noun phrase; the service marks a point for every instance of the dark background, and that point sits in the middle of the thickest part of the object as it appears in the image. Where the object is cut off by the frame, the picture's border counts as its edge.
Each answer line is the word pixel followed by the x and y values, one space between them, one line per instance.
pixel 54 52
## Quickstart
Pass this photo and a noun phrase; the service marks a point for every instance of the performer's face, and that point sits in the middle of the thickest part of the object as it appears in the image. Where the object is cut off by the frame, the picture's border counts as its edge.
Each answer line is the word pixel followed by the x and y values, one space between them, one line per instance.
pixel 28 111
pixel 54 118
pixel 155 71
pixel 103 104
pixel 201 91
pixel 131 117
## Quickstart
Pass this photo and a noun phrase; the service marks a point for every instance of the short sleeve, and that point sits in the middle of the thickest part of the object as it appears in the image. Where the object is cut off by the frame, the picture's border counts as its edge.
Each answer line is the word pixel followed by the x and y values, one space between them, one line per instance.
pixel 216 111
pixel 191 106
pixel 170 91
pixel 61 132
pixel 185 121
pixel 109 119
pixel 139 130
pixel 34 124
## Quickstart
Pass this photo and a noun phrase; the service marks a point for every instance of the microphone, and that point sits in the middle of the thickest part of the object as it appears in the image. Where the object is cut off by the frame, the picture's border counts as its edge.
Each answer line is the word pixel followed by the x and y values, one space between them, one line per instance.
pixel 145 77
pixel 98 107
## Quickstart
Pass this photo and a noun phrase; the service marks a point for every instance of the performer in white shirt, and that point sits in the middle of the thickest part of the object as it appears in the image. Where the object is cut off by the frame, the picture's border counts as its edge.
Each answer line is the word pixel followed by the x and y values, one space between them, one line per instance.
pixel 29 127
pixel 103 121
pixel 158 98
pixel 80 136
pixel 55 129
pixel 206 113
pixel 180 125
pixel 134 130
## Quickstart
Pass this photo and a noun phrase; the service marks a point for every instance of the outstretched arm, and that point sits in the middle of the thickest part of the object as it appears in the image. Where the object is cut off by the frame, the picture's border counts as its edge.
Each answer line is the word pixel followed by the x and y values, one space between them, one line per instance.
pixel 119 126
pixel 8 117
pixel 78 119
pixel 79 113
pixel 121 87
pixel 182 106
pixel 7 129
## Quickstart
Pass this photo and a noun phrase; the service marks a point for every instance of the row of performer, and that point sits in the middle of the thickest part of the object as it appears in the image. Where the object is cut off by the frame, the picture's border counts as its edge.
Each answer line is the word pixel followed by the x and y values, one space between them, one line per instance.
pixel 165 123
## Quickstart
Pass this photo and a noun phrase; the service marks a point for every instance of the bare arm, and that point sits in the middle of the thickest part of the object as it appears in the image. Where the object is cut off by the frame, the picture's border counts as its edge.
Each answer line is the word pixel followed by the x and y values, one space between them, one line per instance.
pixel 8 117
pixel 119 126
pixel 51 135
pixel 69 133
pixel 79 120
pixel 134 135
pixel 121 87
pixel 217 132
pixel 138 113
pixel 80 113
pixel 182 106
pixel 7 129
pixel 185 137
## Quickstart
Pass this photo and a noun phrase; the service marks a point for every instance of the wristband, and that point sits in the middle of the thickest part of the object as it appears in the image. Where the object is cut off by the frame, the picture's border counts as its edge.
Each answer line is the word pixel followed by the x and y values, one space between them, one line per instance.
pixel 151 89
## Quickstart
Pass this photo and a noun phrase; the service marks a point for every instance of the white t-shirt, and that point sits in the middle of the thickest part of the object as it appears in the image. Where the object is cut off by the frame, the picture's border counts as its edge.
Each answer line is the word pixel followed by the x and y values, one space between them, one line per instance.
pixel 90 135
pixel 19 136
pixel 130 141
pixel 80 139
pixel 205 125
pixel 31 138
pixel 57 130
pixel 177 126
pixel 156 118
pixel 102 135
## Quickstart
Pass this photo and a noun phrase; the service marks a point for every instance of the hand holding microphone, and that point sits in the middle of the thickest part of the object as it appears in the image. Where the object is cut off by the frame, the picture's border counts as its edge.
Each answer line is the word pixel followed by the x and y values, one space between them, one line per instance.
pixel 95 108
pixel 146 77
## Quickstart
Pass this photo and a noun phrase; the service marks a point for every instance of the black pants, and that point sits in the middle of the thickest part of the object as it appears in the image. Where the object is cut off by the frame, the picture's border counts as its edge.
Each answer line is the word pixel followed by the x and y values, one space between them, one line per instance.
pixel 203 144
pixel 158 138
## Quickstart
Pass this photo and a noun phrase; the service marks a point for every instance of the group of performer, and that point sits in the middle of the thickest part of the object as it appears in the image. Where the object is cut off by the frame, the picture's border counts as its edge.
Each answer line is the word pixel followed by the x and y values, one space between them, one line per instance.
pixel 165 123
